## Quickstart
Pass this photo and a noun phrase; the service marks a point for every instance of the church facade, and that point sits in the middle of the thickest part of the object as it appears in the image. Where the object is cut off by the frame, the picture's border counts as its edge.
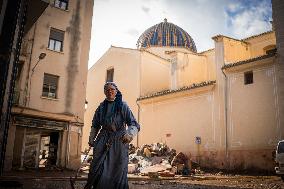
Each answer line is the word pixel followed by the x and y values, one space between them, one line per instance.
pixel 220 107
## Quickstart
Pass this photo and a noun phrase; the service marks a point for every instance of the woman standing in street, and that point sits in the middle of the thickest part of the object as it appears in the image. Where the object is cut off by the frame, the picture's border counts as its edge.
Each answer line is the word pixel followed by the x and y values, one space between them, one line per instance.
pixel 109 167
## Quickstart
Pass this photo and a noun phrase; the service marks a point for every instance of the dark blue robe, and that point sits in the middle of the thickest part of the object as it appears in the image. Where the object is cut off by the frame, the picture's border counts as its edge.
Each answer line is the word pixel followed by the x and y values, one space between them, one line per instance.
pixel 109 167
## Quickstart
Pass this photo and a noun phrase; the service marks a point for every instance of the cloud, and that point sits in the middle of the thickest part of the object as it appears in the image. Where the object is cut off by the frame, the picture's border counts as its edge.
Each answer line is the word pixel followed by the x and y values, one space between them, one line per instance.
pixel 233 7
pixel 202 19
pixel 145 9
pixel 244 20
pixel 133 32
pixel 150 0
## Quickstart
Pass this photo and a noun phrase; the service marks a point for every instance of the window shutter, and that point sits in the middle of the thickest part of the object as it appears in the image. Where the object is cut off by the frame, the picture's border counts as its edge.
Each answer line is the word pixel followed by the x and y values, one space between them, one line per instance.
pixel 50 80
pixel 56 34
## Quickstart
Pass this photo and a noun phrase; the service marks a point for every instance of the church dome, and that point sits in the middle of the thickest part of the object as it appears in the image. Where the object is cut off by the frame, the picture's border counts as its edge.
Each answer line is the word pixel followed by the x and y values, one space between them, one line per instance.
pixel 166 34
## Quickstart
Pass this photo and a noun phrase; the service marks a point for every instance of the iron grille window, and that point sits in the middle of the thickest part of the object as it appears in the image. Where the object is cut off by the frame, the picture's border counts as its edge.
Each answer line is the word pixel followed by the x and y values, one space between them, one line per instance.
pixel 56 39
pixel 109 77
pixel 50 86
pixel 62 4
pixel 248 77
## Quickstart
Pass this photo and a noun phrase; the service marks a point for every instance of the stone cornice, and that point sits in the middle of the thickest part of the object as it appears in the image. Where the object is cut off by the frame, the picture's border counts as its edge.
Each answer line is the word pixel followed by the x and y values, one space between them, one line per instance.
pixel 234 64
pixel 182 89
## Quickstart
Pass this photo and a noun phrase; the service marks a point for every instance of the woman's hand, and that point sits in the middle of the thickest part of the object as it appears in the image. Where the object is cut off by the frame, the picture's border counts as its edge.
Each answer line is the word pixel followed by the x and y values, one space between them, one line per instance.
pixel 127 138
pixel 91 144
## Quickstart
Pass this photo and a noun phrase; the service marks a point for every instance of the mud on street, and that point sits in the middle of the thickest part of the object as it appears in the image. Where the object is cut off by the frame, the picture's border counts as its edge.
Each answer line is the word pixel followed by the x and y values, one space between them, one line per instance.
pixel 61 180
pixel 212 181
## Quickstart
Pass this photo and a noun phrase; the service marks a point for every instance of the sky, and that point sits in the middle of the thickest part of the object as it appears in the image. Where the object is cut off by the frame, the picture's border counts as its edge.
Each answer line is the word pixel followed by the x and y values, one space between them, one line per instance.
pixel 120 22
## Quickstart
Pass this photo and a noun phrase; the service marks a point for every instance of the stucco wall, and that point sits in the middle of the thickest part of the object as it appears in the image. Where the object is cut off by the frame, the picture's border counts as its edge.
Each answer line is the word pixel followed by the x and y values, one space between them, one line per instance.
pixel 192 69
pixel 235 50
pixel 253 118
pixel 177 121
pixel 155 74
pixel 69 99
pixel 54 63
pixel 210 57
pixel 257 44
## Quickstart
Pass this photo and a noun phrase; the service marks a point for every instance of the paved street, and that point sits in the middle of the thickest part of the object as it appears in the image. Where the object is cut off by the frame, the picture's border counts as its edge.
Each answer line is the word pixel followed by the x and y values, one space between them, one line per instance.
pixel 61 180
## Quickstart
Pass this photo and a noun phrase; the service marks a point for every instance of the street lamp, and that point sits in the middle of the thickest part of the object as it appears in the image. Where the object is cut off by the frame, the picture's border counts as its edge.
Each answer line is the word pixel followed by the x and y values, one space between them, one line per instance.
pixel 40 57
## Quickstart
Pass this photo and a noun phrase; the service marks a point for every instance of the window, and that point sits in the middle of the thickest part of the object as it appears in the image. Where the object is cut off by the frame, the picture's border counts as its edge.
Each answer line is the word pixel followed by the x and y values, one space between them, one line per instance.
pixel 248 77
pixel 280 148
pixel 270 49
pixel 62 4
pixel 50 86
pixel 56 39
pixel 109 77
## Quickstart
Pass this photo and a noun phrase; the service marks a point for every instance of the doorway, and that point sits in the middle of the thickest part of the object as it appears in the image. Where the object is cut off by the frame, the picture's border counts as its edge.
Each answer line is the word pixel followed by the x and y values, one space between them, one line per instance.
pixel 48 149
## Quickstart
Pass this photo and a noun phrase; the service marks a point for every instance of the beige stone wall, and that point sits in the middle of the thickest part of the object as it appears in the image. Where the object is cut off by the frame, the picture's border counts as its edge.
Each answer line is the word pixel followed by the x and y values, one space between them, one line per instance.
pixel 177 120
pixel 235 50
pixel 253 109
pixel 191 69
pixel 258 44
pixel 210 57
pixel 155 74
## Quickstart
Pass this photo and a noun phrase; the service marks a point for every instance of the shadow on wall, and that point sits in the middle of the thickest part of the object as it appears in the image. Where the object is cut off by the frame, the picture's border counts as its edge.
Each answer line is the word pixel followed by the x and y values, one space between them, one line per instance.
pixel 72 67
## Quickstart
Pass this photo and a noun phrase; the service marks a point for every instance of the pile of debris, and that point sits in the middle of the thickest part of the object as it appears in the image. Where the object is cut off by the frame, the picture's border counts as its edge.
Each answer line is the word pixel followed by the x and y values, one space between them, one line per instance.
pixel 153 160
pixel 158 159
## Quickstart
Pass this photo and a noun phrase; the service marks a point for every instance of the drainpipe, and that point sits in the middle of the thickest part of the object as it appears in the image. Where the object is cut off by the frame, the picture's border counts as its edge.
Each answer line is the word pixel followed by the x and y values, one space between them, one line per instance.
pixel 29 67
pixel 138 117
pixel 139 93
pixel 226 116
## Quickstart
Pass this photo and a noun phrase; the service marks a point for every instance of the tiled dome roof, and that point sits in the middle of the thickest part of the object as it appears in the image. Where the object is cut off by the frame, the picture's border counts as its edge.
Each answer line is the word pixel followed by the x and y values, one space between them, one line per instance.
pixel 166 34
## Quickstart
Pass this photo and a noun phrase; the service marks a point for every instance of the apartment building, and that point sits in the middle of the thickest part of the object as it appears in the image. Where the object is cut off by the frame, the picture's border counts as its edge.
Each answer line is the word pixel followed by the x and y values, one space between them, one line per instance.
pixel 49 101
